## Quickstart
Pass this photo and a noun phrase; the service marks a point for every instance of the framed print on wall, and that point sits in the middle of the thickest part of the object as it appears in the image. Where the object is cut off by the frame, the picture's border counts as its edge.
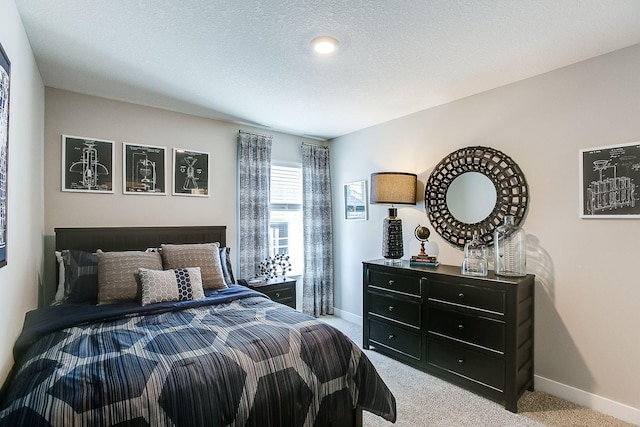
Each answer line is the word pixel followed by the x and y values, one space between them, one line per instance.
pixel 355 201
pixel 143 169
pixel 87 164
pixel 5 74
pixel 190 173
pixel 609 179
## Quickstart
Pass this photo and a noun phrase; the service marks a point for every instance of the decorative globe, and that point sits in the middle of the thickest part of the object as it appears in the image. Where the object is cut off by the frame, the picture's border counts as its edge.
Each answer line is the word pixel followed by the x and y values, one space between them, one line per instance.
pixel 422 233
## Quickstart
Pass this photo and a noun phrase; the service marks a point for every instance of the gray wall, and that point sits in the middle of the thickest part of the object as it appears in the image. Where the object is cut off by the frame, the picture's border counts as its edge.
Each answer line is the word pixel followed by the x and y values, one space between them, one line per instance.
pixel 20 278
pixel 69 113
pixel 587 285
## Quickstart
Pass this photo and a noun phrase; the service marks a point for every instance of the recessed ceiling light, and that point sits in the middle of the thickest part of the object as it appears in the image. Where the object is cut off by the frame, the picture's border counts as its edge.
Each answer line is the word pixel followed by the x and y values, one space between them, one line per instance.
pixel 324 45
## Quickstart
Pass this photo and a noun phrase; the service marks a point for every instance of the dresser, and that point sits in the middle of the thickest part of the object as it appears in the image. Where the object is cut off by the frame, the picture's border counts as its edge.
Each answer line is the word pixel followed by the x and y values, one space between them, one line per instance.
pixel 476 332
pixel 279 290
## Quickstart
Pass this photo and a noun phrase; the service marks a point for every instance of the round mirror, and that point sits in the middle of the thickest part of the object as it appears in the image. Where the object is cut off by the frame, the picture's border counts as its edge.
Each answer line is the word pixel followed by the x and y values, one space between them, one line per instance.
pixel 472 190
pixel 471 197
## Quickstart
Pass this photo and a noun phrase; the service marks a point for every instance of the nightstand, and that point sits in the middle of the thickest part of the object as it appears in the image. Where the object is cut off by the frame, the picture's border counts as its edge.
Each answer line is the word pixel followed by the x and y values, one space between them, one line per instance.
pixel 279 290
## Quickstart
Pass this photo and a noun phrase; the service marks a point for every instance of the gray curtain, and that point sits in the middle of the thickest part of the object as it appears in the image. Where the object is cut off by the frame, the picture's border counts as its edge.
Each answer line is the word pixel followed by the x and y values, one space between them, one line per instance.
pixel 254 170
pixel 317 289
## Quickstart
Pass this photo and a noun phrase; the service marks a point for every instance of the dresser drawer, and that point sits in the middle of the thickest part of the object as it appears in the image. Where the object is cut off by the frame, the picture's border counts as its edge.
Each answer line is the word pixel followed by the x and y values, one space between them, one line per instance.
pixel 280 293
pixel 394 282
pixel 476 297
pixel 480 331
pixel 284 293
pixel 478 367
pixel 395 338
pixel 399 309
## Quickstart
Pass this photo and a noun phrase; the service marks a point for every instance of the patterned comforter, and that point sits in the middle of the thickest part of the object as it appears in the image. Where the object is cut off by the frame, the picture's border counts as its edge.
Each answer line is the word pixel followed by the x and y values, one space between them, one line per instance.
pixel 234 358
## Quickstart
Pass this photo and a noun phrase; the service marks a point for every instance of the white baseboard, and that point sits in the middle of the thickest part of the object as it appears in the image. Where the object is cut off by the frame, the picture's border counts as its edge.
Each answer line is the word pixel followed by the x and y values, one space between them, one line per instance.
pixel 593 401
pixel 349 317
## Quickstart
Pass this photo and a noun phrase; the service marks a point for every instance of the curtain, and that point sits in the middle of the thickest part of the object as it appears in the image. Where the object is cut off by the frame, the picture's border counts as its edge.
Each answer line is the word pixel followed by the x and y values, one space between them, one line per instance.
pixel 317 282
pixel 254 170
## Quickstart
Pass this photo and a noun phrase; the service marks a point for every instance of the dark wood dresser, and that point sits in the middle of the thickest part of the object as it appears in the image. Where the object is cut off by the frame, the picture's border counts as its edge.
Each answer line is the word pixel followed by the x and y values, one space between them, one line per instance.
pixel 476 332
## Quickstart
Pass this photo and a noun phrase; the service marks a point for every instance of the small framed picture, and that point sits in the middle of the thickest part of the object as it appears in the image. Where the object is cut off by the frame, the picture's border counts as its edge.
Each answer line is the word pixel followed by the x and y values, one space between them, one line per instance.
pixel 609 180
pixel 5 77
pixel 190 173
pixel 355 201
pixel 87 164
pixel 143 169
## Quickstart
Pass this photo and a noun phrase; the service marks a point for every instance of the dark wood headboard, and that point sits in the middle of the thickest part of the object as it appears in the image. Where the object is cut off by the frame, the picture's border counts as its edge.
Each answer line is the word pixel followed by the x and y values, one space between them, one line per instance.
pixel 90 239
pixel 135 238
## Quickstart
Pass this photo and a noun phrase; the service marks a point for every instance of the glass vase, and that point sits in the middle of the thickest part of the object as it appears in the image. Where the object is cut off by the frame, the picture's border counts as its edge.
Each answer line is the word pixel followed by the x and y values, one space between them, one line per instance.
pixel 510 249
pixel 475 257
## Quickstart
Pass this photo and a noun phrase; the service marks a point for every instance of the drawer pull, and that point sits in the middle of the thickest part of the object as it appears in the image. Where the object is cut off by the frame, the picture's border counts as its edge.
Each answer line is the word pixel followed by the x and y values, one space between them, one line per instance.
pixel 461 361
pixel 391 336
pixel 391 282
pixel 460 327
pixel 391 308
pixel 461 295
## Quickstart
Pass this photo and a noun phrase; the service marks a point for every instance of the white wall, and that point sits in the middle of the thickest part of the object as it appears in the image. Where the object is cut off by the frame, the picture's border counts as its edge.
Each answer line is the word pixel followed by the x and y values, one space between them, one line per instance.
pixel 20 278
pixel 587 285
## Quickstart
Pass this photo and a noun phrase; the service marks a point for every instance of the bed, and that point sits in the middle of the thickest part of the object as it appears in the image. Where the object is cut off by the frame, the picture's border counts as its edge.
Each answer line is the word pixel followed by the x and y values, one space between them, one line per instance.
pixel 233 357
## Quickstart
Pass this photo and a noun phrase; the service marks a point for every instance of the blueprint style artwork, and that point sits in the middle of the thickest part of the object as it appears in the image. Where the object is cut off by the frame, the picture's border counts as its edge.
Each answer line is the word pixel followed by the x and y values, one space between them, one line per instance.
pixel 143 169
pixel 5 72
pixel 87 164
pixel 610 177
pixel 190 173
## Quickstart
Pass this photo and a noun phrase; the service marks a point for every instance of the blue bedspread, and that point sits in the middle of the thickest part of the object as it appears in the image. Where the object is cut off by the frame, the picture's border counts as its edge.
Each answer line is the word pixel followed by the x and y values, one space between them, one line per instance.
pixel 233 358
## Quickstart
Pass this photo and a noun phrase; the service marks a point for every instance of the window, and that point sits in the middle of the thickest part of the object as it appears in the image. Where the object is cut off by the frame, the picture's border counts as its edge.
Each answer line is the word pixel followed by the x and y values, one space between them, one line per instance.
pixel 285 215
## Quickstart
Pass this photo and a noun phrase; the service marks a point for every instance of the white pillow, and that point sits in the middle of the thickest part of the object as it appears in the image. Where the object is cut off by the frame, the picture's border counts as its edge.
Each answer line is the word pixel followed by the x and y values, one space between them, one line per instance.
pixel 59 298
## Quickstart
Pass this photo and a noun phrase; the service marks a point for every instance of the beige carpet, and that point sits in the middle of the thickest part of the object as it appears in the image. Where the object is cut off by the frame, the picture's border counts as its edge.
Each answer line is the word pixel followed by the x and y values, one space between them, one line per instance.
pixel 423 400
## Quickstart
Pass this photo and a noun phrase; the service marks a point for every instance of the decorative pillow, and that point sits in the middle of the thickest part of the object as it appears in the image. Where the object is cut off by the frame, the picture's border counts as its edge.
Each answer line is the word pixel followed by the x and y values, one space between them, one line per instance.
pixel 59 298
pixel 181 284
pixel 225 261
pixel 117 273
pixel 205 255
pixel 78 272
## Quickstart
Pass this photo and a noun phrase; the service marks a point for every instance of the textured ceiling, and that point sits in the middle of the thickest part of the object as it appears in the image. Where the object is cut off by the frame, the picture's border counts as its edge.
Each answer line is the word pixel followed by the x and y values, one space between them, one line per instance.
pixel 250 61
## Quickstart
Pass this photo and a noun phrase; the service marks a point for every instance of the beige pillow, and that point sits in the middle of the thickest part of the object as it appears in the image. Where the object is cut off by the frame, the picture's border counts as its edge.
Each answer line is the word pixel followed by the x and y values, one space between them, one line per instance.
pixel 181 284
pixel 204 255
pixel 117 271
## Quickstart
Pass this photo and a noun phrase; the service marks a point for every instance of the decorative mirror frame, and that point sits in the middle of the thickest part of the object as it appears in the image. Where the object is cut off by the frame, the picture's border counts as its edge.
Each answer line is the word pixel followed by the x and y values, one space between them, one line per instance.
pixel 512 193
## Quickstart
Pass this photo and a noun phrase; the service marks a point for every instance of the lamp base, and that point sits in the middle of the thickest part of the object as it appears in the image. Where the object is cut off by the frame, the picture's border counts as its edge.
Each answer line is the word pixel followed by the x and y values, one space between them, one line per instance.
pixel 392 247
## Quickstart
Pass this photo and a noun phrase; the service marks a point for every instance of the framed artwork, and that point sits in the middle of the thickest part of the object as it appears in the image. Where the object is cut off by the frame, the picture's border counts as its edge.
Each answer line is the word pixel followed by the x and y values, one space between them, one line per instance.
pixel 355 201
pixel 190 173
pixel 5 74
pixel 87 164
pixel 143 169
pixel 609 179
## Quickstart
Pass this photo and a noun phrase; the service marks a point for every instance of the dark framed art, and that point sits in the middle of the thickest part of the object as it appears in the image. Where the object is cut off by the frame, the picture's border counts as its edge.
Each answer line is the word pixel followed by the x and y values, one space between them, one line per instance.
pixel 87 164
pixel 5 75
pixel 190 173
pixel 143 169
pixel 609 179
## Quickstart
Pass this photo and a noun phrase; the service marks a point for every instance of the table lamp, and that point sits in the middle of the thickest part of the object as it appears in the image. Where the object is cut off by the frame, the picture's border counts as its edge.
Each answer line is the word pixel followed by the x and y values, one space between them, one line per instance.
pixel 394 188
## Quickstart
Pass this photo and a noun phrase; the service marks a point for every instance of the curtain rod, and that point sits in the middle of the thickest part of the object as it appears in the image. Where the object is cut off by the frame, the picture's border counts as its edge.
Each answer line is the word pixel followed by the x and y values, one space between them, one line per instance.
pixel 313 145
pixel 253 133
